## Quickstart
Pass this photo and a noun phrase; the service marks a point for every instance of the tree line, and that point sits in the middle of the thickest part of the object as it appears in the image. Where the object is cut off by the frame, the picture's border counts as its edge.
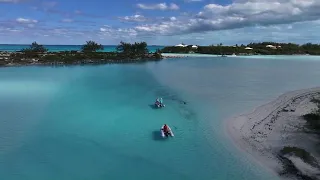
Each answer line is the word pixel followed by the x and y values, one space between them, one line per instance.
pixel 91 52
pixel 262 48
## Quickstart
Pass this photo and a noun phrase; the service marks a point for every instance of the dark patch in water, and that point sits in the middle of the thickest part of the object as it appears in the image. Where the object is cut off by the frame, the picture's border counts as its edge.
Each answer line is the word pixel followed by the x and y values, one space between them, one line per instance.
pixel 169 96
pixel 156 135
pixel 152 106
pixel 187 113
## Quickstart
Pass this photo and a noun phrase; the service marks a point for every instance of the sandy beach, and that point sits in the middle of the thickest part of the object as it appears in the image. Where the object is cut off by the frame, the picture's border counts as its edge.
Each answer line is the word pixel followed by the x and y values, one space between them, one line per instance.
pixel 264 132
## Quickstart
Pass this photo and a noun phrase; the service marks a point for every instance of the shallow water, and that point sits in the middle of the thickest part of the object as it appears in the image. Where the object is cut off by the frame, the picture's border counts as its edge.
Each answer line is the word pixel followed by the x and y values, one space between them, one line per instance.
pixel 97 122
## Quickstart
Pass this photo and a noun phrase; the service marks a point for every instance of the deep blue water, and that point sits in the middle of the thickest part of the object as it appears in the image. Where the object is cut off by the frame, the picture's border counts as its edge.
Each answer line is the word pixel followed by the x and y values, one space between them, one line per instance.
pixel 96 122
pixel 55 48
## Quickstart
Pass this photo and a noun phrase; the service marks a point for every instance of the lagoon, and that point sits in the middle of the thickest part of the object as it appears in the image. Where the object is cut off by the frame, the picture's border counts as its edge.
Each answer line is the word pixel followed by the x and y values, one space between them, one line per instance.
pixel 96 122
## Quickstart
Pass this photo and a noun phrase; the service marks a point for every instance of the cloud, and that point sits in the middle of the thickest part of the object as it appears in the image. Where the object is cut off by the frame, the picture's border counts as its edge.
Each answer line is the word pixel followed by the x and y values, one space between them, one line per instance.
pixel 11 1
pixel 160 6
pixel 239 14
pixel 103 29
pixel 27 21
pixel 67 20
pixel 173 18
pixel 49 4
pixel 134 18
pixel 192 1
pixel 241 21
pixel 117 33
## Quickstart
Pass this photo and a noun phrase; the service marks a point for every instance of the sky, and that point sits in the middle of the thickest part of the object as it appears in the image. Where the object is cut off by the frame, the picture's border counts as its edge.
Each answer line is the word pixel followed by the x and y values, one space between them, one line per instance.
pixel 159 22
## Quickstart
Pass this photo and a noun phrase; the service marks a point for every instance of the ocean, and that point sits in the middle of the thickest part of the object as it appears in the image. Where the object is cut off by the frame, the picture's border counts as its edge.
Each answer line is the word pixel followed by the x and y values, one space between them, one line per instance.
pixel 98 122
pixel 55 48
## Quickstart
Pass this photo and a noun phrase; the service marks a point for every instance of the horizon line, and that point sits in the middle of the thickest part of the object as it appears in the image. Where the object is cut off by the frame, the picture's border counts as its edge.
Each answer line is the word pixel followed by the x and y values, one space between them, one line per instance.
pixel 74 44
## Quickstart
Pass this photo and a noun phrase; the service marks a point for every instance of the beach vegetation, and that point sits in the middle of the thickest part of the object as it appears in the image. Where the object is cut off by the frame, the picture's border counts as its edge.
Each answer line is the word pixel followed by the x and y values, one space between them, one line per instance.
pixel 263 48
pixel 91 46
pixel 135 50
pixel 289 167
pixel 313 121
pixel 91 53
pixel 35 48
pixel 298 152
pixel 313 118
pixel 316 101
pixel 157 54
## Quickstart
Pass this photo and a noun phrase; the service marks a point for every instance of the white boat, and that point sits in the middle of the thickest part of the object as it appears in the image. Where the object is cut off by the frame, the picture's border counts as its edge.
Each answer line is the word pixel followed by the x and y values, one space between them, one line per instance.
pixel 163 134
pixel 159 105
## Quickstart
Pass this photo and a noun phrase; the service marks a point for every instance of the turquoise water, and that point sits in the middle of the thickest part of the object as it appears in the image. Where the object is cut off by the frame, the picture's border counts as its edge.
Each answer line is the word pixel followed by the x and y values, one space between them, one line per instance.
pixel 96 122
pixel 55 48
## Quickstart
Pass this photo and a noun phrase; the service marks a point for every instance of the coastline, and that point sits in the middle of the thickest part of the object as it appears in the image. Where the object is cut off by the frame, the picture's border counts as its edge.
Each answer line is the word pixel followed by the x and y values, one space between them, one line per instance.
pixel 78 63
pixel 183 55
pixel 262 132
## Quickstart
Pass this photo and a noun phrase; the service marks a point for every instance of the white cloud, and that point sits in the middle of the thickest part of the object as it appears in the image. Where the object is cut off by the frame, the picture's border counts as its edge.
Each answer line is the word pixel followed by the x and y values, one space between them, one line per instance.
pixel 27 21
pixel 67 20
pixel 174 7
pixel 49 4
pixel 13 30
pixel 11 1
pixel 117 33
pixel 160 6
pixel 134 18
pixel 173 18
pixel 103 29
pixel 193 0
pixel 30 25
pixel 239 14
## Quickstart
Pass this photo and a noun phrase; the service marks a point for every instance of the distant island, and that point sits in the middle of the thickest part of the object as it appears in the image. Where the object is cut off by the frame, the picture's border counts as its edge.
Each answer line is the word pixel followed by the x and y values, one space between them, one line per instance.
pixel 264 48
pixel 91 53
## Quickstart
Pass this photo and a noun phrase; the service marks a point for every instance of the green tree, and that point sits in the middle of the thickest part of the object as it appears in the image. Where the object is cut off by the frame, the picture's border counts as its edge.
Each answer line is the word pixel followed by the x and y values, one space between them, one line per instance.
pixel 157 54
pixel 141 48
pixel 35 48
pixel 91 46
pixel 125 48
pixel 133 50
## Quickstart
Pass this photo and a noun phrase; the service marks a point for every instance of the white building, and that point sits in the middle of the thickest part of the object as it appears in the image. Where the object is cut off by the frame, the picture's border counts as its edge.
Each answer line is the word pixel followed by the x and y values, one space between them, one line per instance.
pixel 271 46
pixel 248 48
pixel 180 45
pixel 194 47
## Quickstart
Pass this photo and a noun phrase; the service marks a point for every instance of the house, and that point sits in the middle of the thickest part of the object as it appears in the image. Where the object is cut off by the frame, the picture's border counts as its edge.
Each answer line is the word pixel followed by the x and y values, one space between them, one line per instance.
pixel 248 48
pixel 194 47
pixel 271 46
pixel 180 45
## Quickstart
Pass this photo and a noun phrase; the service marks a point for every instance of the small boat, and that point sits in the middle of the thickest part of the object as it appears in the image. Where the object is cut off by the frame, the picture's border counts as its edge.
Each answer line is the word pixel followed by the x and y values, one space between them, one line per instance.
pixel 163 134
pixel 159 103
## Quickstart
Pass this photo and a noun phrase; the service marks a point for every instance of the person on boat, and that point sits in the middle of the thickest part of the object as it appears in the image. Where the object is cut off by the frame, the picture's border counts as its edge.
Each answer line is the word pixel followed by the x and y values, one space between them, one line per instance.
pixel 166 129
pixel 161 101
pixel 157 103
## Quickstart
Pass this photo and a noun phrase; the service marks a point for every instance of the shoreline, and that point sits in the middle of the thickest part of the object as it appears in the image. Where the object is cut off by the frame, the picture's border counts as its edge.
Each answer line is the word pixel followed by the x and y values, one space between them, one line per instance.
pixel 79 63
pixel 183 55
pixel 262 132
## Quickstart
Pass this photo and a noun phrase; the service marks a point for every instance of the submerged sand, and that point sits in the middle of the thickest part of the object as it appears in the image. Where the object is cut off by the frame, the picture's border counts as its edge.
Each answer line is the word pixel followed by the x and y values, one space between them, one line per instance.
pixel 270 127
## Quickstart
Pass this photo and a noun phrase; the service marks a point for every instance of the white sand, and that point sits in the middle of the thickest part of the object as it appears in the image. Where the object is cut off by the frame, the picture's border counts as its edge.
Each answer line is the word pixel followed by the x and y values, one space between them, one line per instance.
pixel 263 132
pixel 187 55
